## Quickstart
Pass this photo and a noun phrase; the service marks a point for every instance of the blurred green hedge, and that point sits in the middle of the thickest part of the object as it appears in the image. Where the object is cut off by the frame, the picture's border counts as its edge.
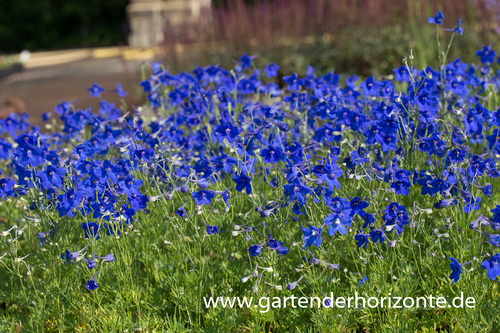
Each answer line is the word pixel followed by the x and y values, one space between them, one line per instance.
pixel 38 25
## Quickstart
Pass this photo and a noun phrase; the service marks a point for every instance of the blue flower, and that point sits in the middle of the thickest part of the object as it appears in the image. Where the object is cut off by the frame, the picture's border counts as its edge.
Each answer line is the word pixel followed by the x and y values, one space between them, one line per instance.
pixel 108 258
pixel 246 61
pixel 437 19
pixel 91 264
pixel 181 211
pixel 370 87
pixel 294 83
pixel 459 30
pixel 203 197
pixel 95 90
pixel 377 235
pixel 226 130
pixel 443 203
pixel 296 191
pixel 338 222
pixel 68 201
pixel 211 229
pixel 131 186
pixel 456 269
pixel 471 204
pixel 362 281
pixel 52 176
pixel 362 240
pixel 91 229
pixel 6 187
pixel 331 175
pixel 292 285
pixel 243 182
pixel 278 247
pixel 271 154
pixel 119 90
pixel 357 205
pixel 91 284
pixel 401 186
pixel 255 250
pixel 311 235
pixel 492 266
pixel 272 70
pixel 487 55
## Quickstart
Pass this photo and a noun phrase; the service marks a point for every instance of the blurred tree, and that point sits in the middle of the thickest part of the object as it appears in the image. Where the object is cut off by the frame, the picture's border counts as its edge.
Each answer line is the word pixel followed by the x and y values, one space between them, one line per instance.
pixel 55 24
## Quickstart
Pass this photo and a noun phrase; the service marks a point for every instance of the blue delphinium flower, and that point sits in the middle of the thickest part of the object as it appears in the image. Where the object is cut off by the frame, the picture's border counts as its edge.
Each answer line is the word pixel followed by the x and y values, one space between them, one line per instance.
pixel 108 258
pixel 492 266
pixel 91 284
pixel 377 235
pixel 362 240
pixel 91 263
pixel 73 255
pixel 255 250
pixel 357 205
pixel 131 186
pixel 362 281
pixel 68 201
pixel 294 83
pixel 181 211
pixel 444 203
pixel 95 90
pixel 471 204
pixel 203 197
pixel 370 87
pixel 311 235
pixel 272 70
pixel 296 191
pixel 292 285
pixel 211 229
pixel 243 182
pixel 51 176
pixel 6 187
pixel 437 19
pixel 271 154
pixel 456 269
pixel 91 229
pixel 459 30
pixel 493 239
pixel 338 222
pixel 246 61
pixel 331 175
pixel 401 185
pixel 228 131
pixel 278 247
pixel 119 90
pixel 487 55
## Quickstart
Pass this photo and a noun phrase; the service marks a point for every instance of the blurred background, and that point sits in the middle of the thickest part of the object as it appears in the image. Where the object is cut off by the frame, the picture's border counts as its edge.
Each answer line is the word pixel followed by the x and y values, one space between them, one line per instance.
pixel 54 49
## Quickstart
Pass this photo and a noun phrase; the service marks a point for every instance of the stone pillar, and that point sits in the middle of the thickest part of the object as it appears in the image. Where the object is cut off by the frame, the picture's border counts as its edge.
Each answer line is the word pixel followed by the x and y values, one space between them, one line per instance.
pixel 147 18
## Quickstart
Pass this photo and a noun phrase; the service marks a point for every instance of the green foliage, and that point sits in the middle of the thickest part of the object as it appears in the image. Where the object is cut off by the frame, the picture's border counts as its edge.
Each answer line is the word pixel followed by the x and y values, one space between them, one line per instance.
pixel 56 24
